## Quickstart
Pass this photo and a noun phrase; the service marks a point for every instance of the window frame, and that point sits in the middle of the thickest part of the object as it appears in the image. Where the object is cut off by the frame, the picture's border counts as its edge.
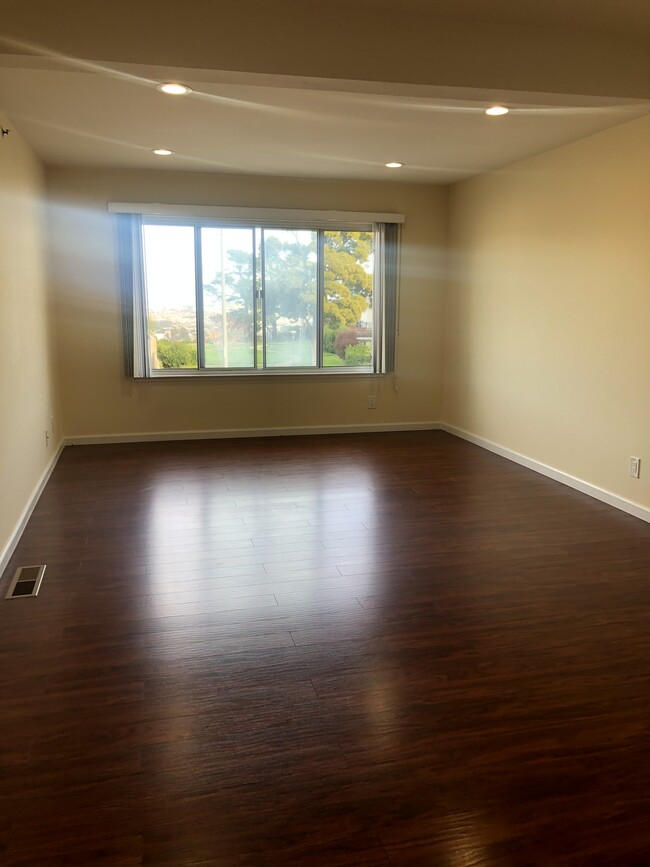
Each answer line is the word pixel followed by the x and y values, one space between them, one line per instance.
pixel 134 295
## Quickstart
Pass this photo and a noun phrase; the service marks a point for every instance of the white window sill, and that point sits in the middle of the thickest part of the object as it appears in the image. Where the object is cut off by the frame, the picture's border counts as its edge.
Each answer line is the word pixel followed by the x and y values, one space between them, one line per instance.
pixel 280 373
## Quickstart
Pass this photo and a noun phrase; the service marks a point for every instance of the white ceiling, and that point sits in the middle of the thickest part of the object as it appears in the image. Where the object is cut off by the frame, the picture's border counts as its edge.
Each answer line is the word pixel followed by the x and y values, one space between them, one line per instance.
pixel 76 113
pixel 602 16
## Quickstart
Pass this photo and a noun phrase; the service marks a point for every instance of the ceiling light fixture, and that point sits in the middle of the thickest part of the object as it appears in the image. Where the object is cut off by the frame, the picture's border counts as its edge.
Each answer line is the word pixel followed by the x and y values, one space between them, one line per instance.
pixel 162 152
pixel 497 110
pixel 394 165
pixel 174 89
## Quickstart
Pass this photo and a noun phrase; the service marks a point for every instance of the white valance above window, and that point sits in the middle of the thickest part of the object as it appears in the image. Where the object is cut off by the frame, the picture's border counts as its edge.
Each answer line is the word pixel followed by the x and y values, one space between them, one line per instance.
pixel 277 217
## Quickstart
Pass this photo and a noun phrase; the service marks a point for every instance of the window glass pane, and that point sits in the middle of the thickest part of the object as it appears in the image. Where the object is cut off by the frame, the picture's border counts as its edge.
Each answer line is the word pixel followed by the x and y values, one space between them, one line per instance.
pixel 171 297
pixel 259 340
pixel 290 297
pixel 347 314
pixel 228 301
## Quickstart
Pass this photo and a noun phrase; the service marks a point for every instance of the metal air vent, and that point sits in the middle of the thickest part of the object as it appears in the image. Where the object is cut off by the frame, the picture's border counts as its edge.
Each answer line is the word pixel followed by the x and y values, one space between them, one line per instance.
pixel 26 582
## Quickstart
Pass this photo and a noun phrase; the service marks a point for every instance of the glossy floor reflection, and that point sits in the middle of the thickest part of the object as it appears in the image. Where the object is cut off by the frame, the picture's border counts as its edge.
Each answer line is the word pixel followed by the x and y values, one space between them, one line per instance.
pixel 363 650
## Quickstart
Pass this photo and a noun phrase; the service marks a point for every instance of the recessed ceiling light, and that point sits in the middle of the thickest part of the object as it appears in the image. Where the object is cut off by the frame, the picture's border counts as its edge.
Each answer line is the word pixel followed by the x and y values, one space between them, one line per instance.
pixel 162 152
pixel 497 110
pixel 174 89
pixel 394 165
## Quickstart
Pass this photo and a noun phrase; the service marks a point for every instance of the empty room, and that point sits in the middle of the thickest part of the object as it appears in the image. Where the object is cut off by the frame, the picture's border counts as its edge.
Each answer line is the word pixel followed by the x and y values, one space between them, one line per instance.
pixel 325 433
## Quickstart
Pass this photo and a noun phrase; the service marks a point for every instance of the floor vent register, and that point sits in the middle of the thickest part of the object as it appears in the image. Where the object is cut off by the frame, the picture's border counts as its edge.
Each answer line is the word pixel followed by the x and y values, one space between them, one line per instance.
pixel 26 582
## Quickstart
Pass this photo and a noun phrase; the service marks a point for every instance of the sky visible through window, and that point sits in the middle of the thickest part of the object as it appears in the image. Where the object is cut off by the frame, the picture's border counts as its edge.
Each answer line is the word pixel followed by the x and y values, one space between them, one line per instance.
pixel 168 252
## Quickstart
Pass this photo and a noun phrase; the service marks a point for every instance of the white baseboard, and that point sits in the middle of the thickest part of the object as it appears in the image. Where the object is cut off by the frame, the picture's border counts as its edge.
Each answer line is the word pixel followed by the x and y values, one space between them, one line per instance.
pixel 629 506
pixel 16 533
pixel 238 433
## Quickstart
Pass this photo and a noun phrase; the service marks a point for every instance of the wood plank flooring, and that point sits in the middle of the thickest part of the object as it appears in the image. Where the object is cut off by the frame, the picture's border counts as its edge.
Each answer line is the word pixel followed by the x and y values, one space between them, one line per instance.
pixel 391 649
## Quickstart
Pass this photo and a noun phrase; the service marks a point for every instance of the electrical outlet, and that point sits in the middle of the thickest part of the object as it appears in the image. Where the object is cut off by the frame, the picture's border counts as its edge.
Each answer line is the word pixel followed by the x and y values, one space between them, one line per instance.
pixel 372 401
pixel 635 467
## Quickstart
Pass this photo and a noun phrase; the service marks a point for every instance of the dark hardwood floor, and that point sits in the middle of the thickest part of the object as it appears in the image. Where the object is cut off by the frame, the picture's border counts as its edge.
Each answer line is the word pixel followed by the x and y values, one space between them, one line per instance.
pixel 352 650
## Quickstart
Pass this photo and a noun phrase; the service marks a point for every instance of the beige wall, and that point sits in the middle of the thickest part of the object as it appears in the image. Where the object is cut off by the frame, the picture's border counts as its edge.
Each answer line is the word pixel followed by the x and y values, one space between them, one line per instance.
pixel 99 400
pixel 548 310
pixel 27 394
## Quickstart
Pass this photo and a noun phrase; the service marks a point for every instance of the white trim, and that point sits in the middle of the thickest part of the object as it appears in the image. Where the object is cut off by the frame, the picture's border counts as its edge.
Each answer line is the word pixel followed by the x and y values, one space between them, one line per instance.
pixel 16 533
pixel 239 433
pixel 629 506
pixel 211 373
pixel 253 215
